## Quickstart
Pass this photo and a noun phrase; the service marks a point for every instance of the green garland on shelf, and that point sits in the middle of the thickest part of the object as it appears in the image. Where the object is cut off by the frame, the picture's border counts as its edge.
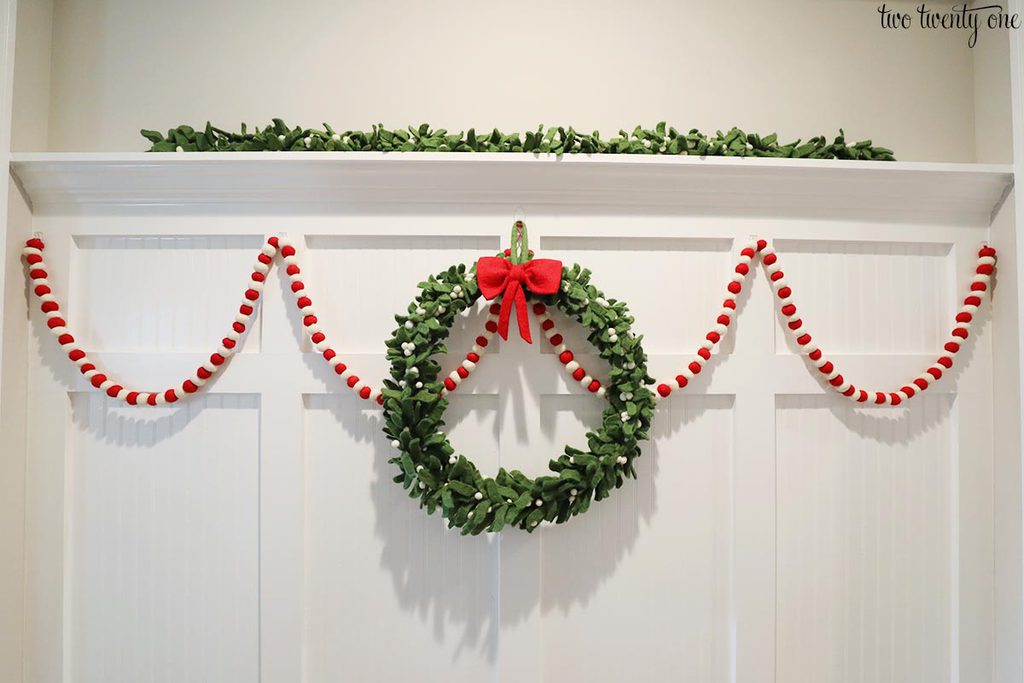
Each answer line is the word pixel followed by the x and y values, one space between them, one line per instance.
pixel 442 480
pixel 658 140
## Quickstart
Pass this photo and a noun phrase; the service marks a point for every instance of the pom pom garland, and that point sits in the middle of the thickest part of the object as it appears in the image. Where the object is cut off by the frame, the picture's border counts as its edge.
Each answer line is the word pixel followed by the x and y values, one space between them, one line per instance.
pixel 794 325
pixel 38 273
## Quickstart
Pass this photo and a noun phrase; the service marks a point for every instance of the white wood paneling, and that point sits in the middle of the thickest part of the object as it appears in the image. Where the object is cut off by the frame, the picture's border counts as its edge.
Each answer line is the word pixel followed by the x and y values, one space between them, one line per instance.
pixel 163 545
pixel 738 548
pixel 867 531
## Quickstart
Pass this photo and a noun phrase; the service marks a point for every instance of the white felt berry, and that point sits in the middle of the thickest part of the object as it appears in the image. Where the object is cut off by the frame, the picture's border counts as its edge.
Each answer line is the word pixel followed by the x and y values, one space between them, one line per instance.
pixel 478 495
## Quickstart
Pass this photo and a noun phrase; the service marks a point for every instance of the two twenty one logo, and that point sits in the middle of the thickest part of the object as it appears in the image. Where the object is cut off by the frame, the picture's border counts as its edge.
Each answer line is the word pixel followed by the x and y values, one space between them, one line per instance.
pixel 963 17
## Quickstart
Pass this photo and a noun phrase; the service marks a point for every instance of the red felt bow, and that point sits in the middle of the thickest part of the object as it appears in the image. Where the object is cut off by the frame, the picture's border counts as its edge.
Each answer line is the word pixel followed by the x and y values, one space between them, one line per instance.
pixel 498 276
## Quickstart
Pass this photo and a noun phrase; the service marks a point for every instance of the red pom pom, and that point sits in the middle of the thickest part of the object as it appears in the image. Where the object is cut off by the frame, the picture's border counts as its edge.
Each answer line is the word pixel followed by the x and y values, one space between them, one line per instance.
pixel 593 386
pixel 815 354
pixel 238 327
pixel 287 250
pixel 170 396
pixel 37 273
pixel 547 324
pixel 964 317
pixel 264 259
pixel 850 391
pixel 960 332
pixel 795 324
pixel 481 341
pixel 909 391
pixel 556 339
pixel 785 292
pixel 34 259
pixel 380 399
pixel 978 287
pixel 508 252
pixel 449 384
pixel 131 398
pixel 987 251
pixel 151 399
pixel 879 397
pixel 245 309
pixel 742 268
pixel 827 368
pixel 329 354
pixel 318 337
pixel 748 252
pixel 228 343
pixel 788 309
pixel 55 322
pixel 729 303
pixel 258 277
pixel 41 289
pixel 463 372
pixel 189 386
pixel 985 269
pixel 769 259
pixel 895 399
pixel 297 286
pixel 491 326
pixel 724 320
pixel 952 347
pixel 695 367
pixel 704 353
pixel 292 269
pixel 735 287
pixel 664 390
pixel 681 381
pixel 565 357
pixel 945 361
pixel 86 368
pixel 76 355
pixel 804 339
pixel 65 339
pixel 274 242
pixel 539 308
pixel 309 320
pixel 935 372
pixel 365 392
pixel 472 357
pixel 836 381
pixel 252 294
pixel 921 384
pixel 353 380
pixel 49 306
pixel 303 302
pixel 972 301
pixel 217 359
pixel 340 368
pixel 862 397
pixel 761 244
pixel 98 379
pixel 578 374
pixel 203 373
pixel 35 243
pixel 713 337
pixel 777 275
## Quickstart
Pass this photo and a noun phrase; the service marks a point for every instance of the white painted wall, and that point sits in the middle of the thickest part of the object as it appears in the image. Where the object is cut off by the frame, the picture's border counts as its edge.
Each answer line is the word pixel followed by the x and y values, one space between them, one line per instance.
pixel 802 67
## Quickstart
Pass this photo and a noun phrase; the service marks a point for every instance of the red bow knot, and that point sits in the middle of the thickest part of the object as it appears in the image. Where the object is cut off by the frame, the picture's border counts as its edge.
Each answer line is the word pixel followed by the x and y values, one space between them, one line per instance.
pixel 497 276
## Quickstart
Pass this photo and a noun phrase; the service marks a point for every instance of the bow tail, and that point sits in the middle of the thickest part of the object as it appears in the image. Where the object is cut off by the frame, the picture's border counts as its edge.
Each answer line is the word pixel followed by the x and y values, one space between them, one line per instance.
pixel 521 316
pixel 508 299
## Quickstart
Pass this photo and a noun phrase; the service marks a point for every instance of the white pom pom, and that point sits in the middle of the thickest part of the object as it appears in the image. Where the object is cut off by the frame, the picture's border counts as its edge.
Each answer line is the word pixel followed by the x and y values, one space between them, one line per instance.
pixel 478 496
pixel 396 443
pixel 571 366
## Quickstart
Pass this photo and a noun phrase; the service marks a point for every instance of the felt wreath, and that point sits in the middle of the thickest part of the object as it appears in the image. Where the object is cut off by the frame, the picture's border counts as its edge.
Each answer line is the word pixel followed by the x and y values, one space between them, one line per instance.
pixel 415 399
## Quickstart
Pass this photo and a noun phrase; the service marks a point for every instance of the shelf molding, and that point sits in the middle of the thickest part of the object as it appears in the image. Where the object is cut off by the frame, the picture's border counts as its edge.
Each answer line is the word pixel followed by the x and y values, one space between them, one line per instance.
pixel 377 181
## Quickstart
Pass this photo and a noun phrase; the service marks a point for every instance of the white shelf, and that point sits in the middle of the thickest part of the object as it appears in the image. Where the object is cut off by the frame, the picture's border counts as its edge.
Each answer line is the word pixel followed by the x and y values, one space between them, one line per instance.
pixel 379 181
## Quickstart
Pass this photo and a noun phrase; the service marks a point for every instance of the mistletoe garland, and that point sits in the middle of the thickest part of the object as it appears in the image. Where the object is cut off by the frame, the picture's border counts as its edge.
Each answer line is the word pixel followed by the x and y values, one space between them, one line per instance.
pixel 661 139
pixel 414 404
